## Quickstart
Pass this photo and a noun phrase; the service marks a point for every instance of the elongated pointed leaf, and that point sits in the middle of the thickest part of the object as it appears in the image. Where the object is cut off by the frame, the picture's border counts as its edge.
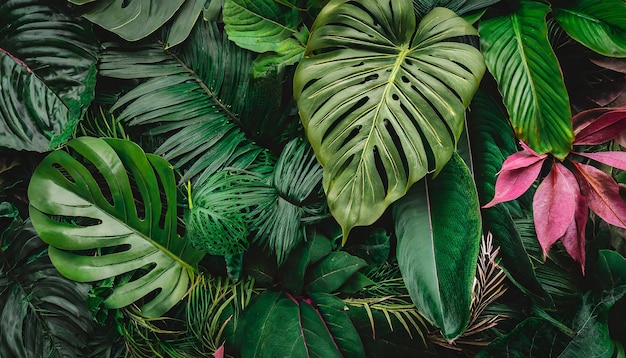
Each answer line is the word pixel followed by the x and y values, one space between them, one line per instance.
pixel 554 205
pixel 574 238
pixel 611 268
pixel 438 227
pixel 382 99
pixel 32 116
pixel 60 49
pixel 492 139
pixel 131 19
pixel 459 6
pixel 599 25
pixel 614 159
pixel 598 125
pixel 519 56
pixel 519 172
pixel 109 201
pixel 183 22
pixel 333 271
pixel 602 194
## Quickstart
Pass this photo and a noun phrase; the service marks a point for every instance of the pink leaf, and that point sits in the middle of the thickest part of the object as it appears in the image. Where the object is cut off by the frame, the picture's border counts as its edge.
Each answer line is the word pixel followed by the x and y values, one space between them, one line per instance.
pixel 602 194
pixel 219 353
pixel 518 173
pixel 554 205
pixel 599 125
pixel 574 238
pixel 614 159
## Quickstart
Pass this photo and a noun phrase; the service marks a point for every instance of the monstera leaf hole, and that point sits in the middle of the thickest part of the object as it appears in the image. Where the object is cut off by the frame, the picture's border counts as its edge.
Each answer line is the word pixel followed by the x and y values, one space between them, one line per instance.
pixel 382 97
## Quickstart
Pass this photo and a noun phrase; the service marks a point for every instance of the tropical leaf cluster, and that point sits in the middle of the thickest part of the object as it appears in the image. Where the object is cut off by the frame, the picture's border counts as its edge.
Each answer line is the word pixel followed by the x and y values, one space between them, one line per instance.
pixel 298 178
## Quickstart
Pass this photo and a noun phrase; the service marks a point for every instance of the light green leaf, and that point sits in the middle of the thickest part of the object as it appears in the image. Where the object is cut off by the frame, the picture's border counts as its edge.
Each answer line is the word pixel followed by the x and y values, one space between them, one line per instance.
pixel 132 20
pixel 599 25
pixel 290 52
pixel 383 100
pixel 107 209
pixel 519 56
pixel 439 228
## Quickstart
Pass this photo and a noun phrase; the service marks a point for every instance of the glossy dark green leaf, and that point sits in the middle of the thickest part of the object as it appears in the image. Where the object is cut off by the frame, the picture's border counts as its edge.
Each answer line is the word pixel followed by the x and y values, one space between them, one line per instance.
pixel 599 25
pixel 58 47
pixel 32 116
pixel 611 268
pixel 461 7
pixel 382 98
pixel 333 271
pixel 339 324
pixel 357 283
pixel 314 249
pixel 131 19
pixel 519 56
pixel 492 140
pixel 89 204
pixel 374 249
pixel 184 21
pixel 42 314
pixel 589 335
pixel 438 226
pixel 280 326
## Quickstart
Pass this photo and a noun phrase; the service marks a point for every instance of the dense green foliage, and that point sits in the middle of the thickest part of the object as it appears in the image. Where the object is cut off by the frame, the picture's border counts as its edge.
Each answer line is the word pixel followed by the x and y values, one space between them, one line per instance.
pixel 299 178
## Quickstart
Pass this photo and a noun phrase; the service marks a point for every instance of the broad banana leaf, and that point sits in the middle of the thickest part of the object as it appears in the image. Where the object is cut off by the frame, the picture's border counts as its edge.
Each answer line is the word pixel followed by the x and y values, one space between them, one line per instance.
pixel 519 57
pixel 382 99
pixel 438 226
pixel 599 25
pixel 107 209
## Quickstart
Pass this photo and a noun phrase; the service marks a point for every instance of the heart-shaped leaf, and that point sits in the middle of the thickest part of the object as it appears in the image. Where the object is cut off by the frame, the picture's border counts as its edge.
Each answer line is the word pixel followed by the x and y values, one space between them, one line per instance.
pixel 439 228
pixel 519 56
pixel 383 100
pixel 599 25
pixel 107 209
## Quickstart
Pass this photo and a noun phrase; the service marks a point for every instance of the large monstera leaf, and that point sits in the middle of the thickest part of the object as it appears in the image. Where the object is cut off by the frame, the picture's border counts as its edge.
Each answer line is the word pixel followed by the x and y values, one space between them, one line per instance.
pixel 382 99
pixel 107 209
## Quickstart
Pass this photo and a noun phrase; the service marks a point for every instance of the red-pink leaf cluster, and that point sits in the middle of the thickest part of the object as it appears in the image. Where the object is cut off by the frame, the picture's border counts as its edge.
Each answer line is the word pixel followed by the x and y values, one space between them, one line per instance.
pixel 564 196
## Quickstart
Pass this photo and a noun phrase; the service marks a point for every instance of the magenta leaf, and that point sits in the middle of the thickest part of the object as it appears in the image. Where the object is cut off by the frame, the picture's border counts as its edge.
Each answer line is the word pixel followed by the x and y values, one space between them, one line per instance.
pixel 219 353
pixel 602 194
pixel 518 173
pixel 614 159
pixel 599 125
pixel 574 238
pixel 554 205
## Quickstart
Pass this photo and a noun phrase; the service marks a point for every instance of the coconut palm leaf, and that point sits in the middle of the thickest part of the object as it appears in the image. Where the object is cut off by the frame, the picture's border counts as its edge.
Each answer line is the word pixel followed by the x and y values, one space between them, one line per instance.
pixel 42 313
pixel 382 99
pixel 107 209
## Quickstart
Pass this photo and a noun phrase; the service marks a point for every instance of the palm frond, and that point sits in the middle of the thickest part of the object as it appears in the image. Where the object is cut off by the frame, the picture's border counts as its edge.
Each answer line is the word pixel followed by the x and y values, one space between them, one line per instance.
pixel 400 308
pixel 192 96
pixel 215 303
pixel 296 199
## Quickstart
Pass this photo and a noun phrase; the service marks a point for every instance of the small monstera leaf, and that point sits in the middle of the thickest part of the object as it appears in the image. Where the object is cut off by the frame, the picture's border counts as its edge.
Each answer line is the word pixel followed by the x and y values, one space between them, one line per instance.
pixel 107 209
pixel 382 99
